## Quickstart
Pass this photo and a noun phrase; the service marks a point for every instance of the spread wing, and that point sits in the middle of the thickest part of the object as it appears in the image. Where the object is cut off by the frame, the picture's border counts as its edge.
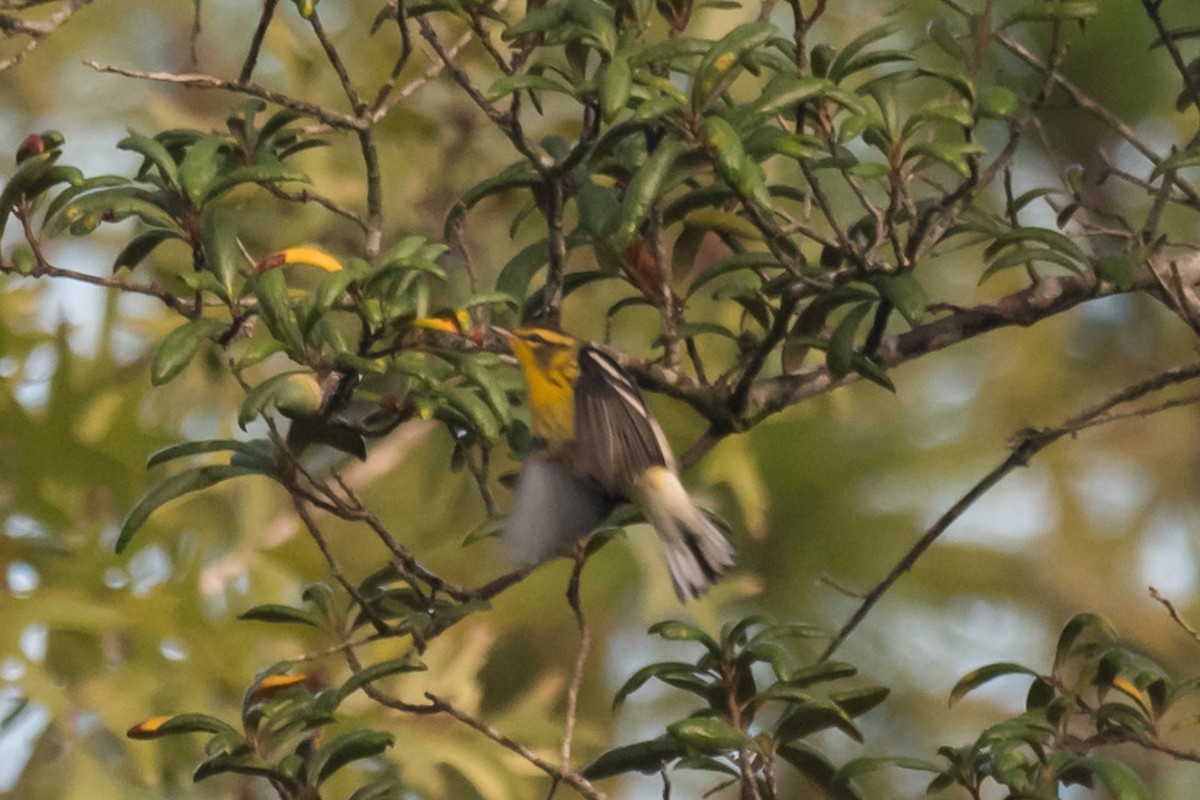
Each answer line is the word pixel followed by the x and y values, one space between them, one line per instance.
pixel 615 436
pixel 552 510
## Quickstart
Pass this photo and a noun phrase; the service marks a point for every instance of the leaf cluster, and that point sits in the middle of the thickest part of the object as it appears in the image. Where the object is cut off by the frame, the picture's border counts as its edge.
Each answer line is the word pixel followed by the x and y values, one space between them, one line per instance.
pixel 280 735
pixel 760 706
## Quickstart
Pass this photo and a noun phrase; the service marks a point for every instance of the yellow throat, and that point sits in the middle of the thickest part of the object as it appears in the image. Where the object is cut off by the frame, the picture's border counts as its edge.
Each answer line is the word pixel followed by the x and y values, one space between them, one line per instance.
pixel 550 361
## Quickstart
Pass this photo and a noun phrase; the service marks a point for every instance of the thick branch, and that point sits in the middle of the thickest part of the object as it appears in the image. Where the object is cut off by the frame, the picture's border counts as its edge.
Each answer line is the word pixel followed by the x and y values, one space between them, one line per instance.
pixel 1046 298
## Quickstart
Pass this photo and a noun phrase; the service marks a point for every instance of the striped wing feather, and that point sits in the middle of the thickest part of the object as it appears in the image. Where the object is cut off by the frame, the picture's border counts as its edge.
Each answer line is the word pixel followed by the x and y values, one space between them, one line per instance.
pixel 616 439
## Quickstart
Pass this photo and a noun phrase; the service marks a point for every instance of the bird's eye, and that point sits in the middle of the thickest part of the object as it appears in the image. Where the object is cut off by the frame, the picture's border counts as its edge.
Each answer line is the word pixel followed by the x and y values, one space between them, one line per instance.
pixel 537 338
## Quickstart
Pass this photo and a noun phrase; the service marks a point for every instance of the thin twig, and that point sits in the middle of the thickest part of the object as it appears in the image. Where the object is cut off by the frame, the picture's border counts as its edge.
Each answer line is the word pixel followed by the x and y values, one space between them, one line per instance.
pixel 194 35
pixel 335 60
pixel 309 196
pixel 1174 612
pixel 572 779
pixel 334 119
pixel 36 30
pixel 44 268
pixel 335 569
pixel 400 10
pixel 260 33
pixel 585 643
pixel 1028 444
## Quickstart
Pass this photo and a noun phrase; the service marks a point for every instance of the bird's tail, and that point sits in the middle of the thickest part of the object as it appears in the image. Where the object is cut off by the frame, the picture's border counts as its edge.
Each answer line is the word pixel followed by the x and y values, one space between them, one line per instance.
pixel 697 551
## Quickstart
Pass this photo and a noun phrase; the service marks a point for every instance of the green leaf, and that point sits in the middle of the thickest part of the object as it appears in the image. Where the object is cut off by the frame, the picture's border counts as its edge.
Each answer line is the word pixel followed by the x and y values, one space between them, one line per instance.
pixel 707 735
pixel 598 207
pixel 497 298
pixel 155 154
pixel 222 254
pixel 140 246
pixel 275 308
pixel 997 102
pixel 952 75
pixel 861 766
pixel 723 56
pixel 538 20
pixel 616 83
pixel 1077 626
pixel 1118 779
pixel 785 92
pixel 938 111
pixel 519 175
pixel 269 173
pixel 515 276
pixel 84 212
pixel 857 702
pixel 276 613
pixel 293 393
pixel 645 187
pixel 812 764
pixel 669 50
pixel 678 630
pixel 738 262
pixel 178 347
pixel 24 260
pixel 474 408
pixel 52 177
pixel 1021 256
pixel 790 630
pixel 953 156
pixel 821 673
pixel 1053 12
pixel 484 375
pixel 185 449
pixel 871 370
pixel 639 678
pixel 841 66
pixel 257 350
pixel 734 166
pixel 525 81
pixel 1186 158
pixel 907 294
pixel 375 672
pixel 176 486
pixel 1050 238
pixel 813 716
pixel 240 763
pixel 772 653
pixel 63 198
pixel 28 172
pixel 645 757
pixel 306 7
pixel 200 166
pixel 973 680
pixel 1118 269
pixel 840 356
pixel 179 724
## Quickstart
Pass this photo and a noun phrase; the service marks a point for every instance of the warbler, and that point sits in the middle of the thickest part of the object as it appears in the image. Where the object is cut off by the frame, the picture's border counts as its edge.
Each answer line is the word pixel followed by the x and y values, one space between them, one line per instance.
pixel 596 446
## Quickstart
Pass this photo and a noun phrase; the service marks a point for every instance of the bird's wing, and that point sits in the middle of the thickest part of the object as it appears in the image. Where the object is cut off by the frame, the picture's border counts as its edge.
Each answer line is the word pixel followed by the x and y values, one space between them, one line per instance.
pixel 616 439
pixel 551 511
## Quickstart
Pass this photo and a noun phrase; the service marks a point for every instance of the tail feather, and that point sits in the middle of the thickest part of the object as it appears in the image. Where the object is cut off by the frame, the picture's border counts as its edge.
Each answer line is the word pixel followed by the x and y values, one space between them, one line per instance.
pixel 697 552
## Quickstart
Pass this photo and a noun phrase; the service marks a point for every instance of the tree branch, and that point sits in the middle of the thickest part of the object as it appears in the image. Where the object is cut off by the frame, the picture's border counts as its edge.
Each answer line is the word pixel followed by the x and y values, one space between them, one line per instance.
pixel 572 779
pixel 1029 443
pixel 331 118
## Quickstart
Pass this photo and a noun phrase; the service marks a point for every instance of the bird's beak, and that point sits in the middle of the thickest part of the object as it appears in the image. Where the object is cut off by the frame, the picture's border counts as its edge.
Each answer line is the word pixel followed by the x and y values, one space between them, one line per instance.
pixel 506 334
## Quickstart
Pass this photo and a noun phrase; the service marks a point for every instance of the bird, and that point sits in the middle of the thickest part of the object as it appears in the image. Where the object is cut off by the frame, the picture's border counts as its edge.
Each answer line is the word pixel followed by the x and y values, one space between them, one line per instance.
pixel 595 447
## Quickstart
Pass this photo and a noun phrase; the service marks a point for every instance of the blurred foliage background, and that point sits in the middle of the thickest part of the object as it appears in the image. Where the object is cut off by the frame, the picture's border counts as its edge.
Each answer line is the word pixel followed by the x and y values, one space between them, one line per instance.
pixel 823 498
